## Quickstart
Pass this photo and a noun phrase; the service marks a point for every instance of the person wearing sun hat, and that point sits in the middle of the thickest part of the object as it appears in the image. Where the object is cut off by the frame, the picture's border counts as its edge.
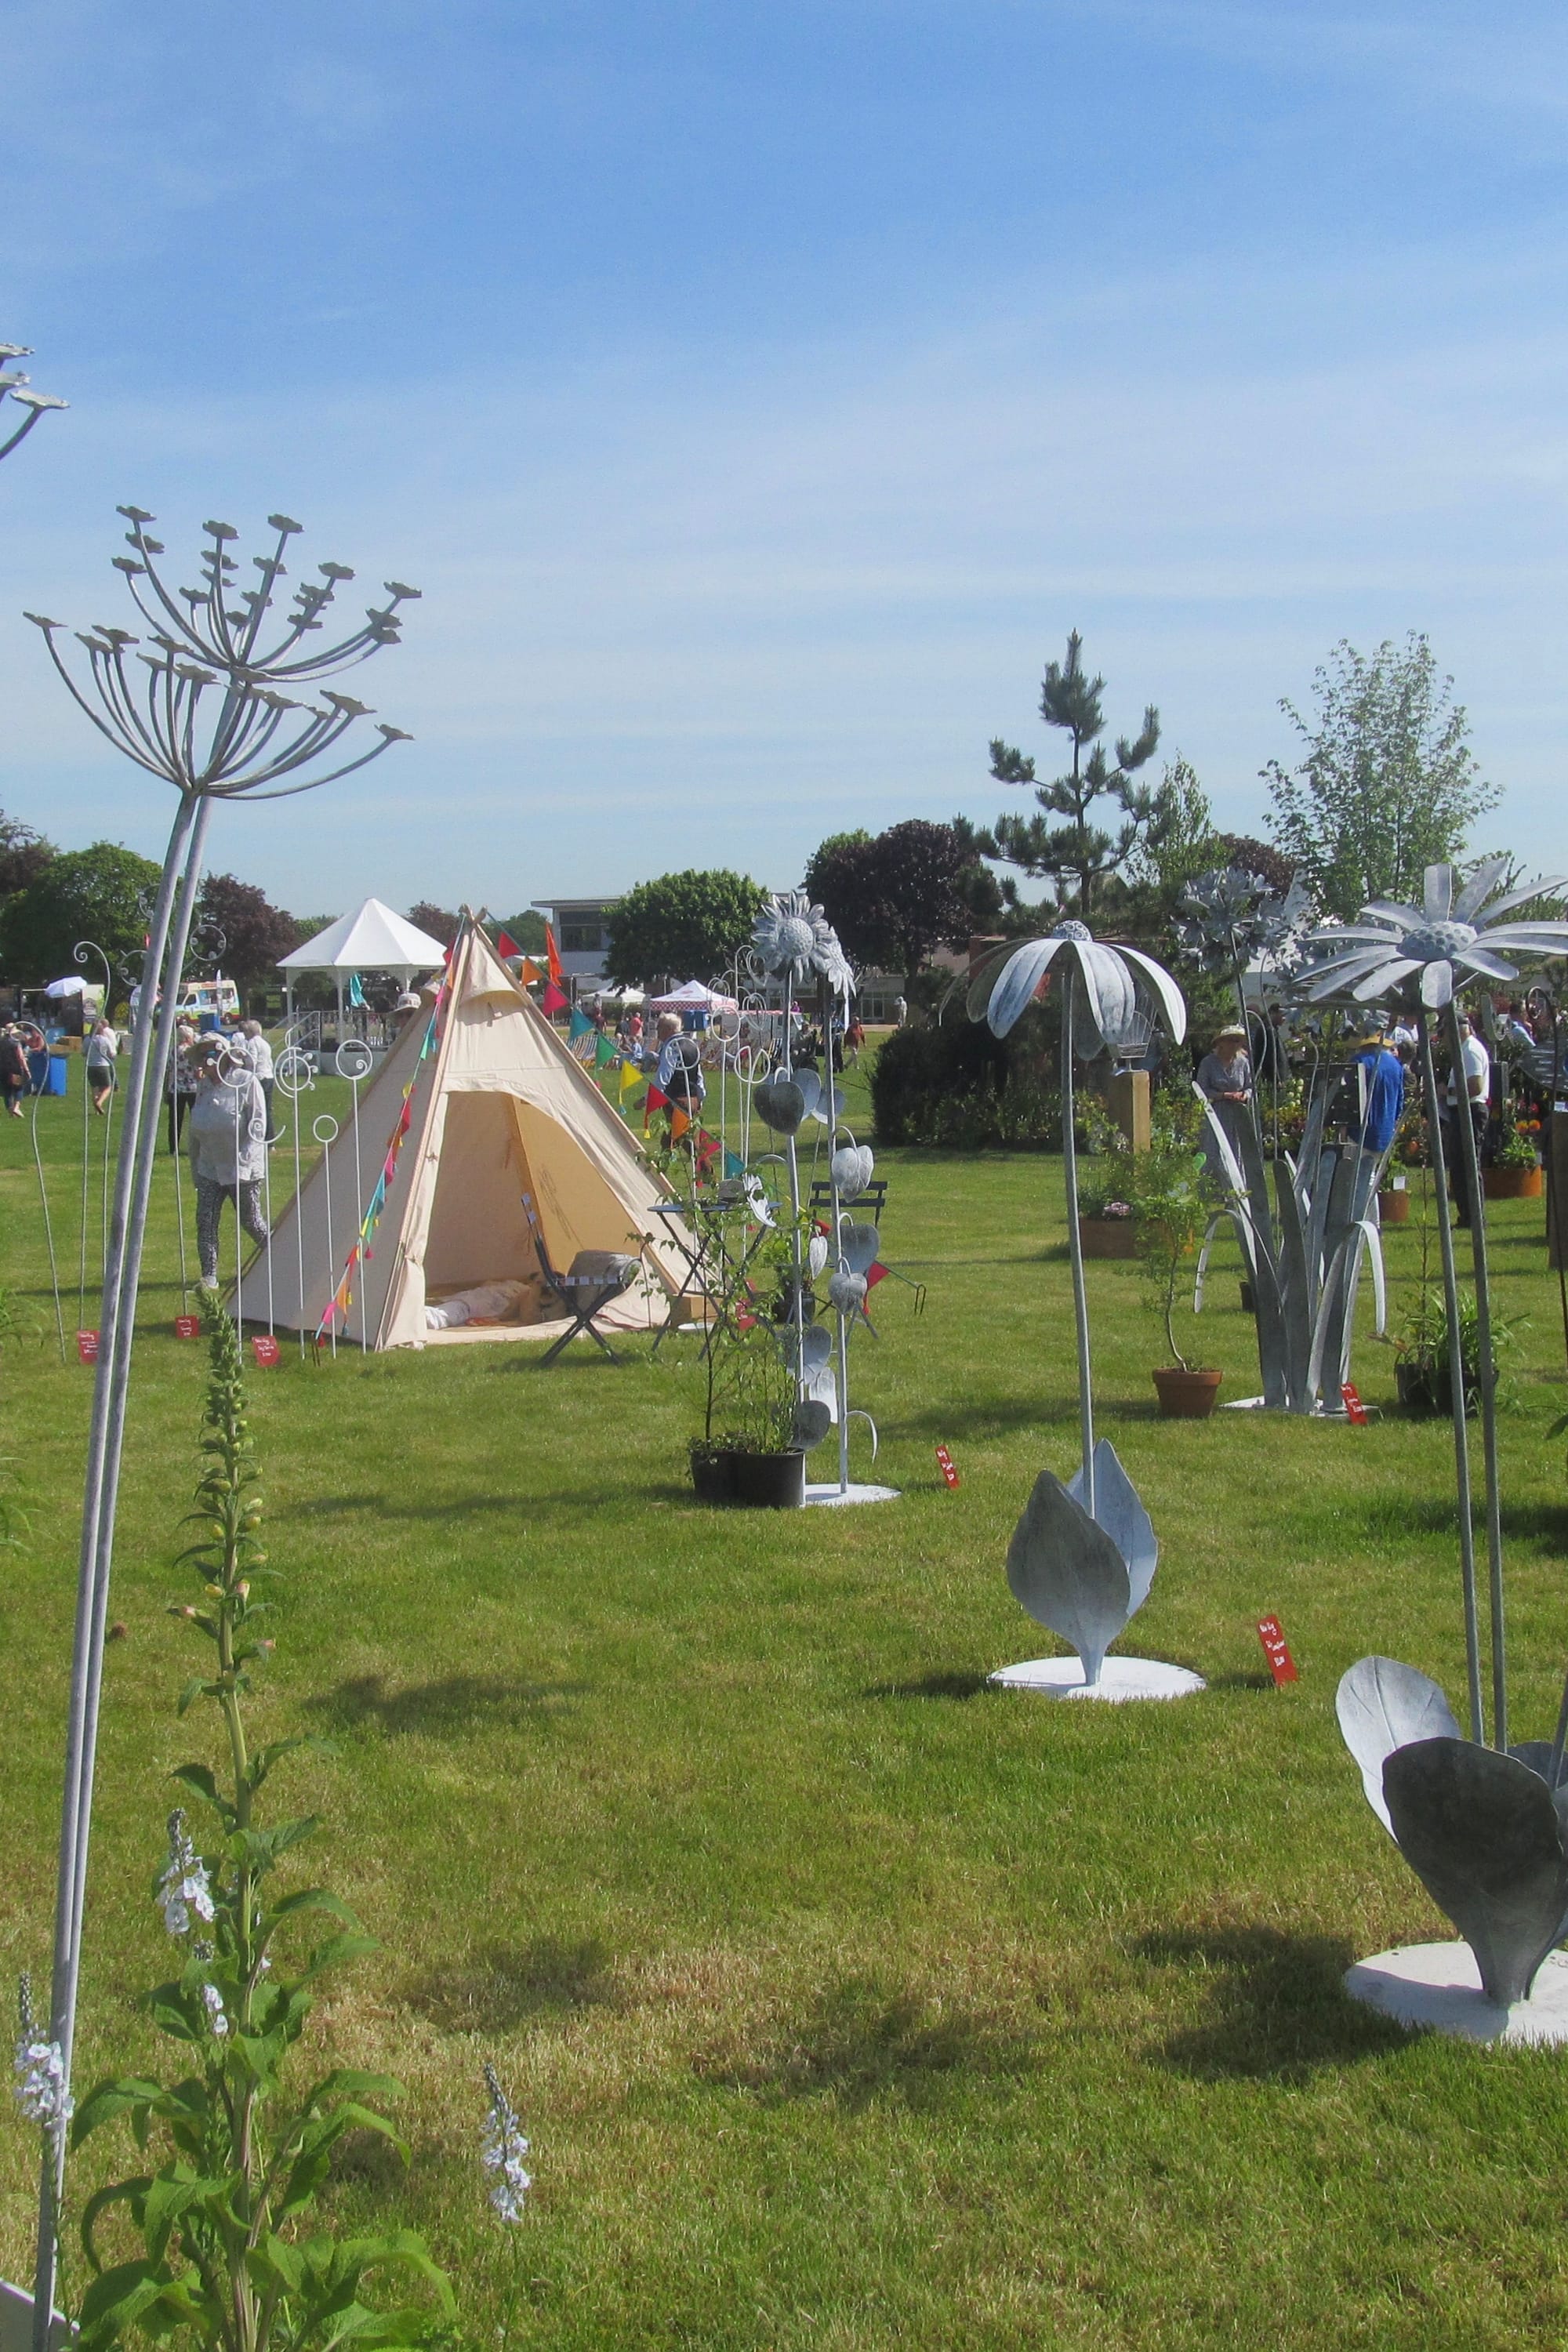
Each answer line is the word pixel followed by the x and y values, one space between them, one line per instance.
pixel 1225 1079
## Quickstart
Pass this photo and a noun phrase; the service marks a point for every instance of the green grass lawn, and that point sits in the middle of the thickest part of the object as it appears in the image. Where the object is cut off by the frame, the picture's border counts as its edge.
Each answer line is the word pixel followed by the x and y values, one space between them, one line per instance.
pixel 849 2002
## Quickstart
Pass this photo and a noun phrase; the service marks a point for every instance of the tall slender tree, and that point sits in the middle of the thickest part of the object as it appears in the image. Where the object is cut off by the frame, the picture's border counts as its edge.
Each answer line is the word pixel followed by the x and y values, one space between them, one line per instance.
pixel 1077 851
pixel 1386 786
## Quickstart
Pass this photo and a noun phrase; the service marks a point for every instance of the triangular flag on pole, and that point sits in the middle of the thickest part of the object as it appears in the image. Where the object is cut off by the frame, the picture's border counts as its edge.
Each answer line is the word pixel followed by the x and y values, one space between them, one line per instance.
pixel 631 1077
pixel 553 952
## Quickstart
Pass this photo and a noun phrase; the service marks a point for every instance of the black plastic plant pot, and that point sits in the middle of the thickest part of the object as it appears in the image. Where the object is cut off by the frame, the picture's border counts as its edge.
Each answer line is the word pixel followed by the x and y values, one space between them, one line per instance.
pixel 710 1477
pixel 774 1482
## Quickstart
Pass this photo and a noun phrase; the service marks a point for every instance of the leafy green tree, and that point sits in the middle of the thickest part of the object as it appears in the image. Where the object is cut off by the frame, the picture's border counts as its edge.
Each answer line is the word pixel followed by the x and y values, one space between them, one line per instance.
pixel 255 933
pixel 104 893
pixel 688 925
pixel 1078 850
pixel 24 854
pixel 1180 842
pixel 1387 784
pixel 894 900
pixel 440 921
pixel 527 930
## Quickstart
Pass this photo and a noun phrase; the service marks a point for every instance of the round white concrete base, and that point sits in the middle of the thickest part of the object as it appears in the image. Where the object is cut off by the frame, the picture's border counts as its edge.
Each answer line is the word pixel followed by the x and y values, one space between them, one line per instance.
pixel 836 1493
pixel 1440 1984
pixel 1119 1678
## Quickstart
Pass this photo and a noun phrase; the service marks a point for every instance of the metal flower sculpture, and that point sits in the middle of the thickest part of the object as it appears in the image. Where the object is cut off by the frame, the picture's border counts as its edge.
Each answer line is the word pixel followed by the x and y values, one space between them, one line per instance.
pixel 16 385
pixel 1483 1830
pixel 210 701
pixel 1229 917
pixel 792 939
pixel 1426 955
pixel 1058 1565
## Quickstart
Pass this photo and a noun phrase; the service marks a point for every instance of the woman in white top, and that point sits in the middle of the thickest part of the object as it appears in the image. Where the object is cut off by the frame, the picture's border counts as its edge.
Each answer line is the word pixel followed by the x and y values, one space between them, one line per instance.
pixel 226 1133
pixel 102 1050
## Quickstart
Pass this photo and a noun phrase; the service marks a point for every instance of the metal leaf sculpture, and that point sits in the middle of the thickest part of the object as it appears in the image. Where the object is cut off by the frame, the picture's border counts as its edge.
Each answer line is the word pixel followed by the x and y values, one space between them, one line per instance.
pixel 851 1166
pixel 1484 1832
pixel 780 1103
pixel 1071 1572
pixel 857 1246
pixel 816 1097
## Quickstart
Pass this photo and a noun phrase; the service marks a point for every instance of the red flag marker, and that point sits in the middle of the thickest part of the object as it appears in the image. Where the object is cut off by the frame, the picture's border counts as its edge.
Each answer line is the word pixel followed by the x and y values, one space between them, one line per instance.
pixel 1275 1649
pixel 87 1347
pixel 187 1326
pixel 265 1350
pixel 1353 1405
pixel 944 1464
pixel 506 946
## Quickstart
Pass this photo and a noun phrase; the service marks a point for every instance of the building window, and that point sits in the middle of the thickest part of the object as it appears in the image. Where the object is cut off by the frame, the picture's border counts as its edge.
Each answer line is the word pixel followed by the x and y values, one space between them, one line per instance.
pixel 581 938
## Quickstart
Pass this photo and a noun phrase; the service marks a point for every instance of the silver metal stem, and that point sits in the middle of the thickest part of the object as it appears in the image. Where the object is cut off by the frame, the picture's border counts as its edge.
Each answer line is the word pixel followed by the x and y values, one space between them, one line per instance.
pixel 1488 1374
pixel 1456 1381
pixel 1074 1247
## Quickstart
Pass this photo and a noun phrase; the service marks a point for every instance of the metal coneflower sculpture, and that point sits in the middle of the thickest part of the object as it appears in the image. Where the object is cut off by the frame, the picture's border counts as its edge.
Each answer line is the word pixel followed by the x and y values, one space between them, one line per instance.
pixel 222 700
pixel 1482 1826
pixel 1083 1556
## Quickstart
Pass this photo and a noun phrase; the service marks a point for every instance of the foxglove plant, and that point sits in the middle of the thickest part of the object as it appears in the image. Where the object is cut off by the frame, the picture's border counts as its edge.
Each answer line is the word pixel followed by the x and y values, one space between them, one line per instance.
pixel 232 2258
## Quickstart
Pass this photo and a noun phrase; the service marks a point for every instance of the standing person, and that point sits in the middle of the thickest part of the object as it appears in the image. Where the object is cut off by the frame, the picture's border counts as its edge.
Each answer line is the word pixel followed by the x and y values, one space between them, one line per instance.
pixel 103 1052
pixel 181 1085
pixel 228 1151
pixel 1384 1093
pixel 678 1071
pixel 900 1010
pixel 854 1038
pixel 258 1054
pixel 1225 1079
pixel 1478 1077
pixel 13 1069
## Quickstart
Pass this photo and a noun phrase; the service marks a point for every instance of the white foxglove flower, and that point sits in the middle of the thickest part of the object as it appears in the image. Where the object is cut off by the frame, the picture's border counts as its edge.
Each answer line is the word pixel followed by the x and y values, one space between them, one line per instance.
pixel 217 2021
pixel 1456 932
pixel 503 2151
pixel 40 2084
pixel 184 1887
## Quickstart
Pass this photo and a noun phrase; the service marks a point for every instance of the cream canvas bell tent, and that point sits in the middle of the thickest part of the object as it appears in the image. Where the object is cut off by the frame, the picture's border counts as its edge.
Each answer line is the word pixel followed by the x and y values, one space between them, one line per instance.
pixel 478 1104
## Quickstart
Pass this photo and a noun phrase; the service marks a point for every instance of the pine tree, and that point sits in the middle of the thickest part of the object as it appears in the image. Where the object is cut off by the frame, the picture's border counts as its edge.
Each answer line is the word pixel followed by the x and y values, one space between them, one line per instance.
pixel 1077 850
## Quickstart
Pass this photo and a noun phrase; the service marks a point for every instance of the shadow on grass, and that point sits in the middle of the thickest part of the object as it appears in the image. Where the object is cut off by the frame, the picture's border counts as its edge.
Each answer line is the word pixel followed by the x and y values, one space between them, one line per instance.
pixel 1250 1680
pixel 861 2043
pixel 460 1702
pixel 1383 1516
pixel 504 1986
pixel 949 1685
pixel 1278 2007
pixel 980 1419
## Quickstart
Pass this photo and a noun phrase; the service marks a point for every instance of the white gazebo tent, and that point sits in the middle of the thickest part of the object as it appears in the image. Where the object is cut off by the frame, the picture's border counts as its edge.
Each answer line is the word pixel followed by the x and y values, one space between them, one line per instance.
pixel 694 996
pixel 372 939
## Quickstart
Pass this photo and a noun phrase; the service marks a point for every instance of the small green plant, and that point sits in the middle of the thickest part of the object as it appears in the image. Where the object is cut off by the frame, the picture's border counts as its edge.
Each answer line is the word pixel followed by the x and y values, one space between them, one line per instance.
pixel 751 1394
pixel 1421 1345
pixel 1105 1171
pixel 1172 1205
pixel 230 2257
pixel 1517 1148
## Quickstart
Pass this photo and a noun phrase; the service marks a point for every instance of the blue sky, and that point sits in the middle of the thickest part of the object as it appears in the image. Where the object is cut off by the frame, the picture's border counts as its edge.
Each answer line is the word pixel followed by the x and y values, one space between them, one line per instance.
pixel 760 394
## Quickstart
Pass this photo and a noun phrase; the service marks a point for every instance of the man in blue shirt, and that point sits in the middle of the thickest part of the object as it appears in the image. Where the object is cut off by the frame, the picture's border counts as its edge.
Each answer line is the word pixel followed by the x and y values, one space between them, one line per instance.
pixel 1384 1087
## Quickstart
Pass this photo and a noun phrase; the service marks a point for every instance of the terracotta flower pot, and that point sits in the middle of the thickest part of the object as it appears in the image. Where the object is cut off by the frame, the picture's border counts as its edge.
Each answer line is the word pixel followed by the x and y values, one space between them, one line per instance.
pixel 1393 1208
pixel 1186 1396
pixel 1107 1238
pixel 1512 1183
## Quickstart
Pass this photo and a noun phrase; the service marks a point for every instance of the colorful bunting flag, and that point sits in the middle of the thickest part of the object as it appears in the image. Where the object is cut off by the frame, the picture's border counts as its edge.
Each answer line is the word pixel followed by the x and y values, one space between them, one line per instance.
pixel 631 1077
pixel 680 1120
pixel 604 1052
pixel 553 952
pixel 506 946
pixel 553 999
pixel 531 973
pixel 579 1025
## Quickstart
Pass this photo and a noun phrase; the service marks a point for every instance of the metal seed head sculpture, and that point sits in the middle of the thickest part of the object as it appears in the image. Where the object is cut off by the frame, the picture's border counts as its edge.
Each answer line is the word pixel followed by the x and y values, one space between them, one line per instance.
pixel 1483 1830
pixel 220 697
pixel 1227 919
pixel 15 386
pixel 1062 1564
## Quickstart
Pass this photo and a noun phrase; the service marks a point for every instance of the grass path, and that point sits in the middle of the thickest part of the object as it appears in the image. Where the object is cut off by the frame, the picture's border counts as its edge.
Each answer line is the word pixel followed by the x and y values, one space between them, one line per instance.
pixel 851 2003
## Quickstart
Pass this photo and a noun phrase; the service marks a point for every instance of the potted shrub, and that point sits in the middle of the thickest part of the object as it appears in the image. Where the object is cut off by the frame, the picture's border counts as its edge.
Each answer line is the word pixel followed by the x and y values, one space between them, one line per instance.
pixel 1515 1170
pixel 750 1450
pixel 1172 1206
pixel 1421 1373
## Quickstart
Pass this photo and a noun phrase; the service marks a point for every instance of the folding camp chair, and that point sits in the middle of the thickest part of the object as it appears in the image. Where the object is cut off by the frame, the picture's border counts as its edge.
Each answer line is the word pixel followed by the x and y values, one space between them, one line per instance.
pixel 587 1287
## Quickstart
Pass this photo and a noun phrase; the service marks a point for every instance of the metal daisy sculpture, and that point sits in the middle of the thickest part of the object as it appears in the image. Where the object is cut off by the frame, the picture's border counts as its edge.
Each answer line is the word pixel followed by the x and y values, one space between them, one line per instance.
pixel 219 697
pixel 16 387
pixel 1480 1829
pixel 1083 1556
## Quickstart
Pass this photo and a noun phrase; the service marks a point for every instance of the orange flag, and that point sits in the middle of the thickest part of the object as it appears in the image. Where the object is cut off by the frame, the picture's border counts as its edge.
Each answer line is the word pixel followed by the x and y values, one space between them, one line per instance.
pixel 680 1120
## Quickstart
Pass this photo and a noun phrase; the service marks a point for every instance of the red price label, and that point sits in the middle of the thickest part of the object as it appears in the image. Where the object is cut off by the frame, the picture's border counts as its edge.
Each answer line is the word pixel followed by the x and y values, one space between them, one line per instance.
pixel 265 1349
pixel 1353 1405
pixel 87 1347
pixel 1275 1649
pixel 944 1464
pixel 187 1326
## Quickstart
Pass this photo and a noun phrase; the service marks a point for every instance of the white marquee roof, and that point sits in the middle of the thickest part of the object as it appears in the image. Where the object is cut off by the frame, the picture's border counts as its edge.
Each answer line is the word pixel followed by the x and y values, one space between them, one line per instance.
pixel 372 939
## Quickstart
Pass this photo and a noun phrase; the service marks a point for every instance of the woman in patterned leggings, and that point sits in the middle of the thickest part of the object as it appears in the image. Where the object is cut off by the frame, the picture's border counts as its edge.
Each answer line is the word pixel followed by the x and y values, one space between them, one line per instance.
pixel 226 1132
